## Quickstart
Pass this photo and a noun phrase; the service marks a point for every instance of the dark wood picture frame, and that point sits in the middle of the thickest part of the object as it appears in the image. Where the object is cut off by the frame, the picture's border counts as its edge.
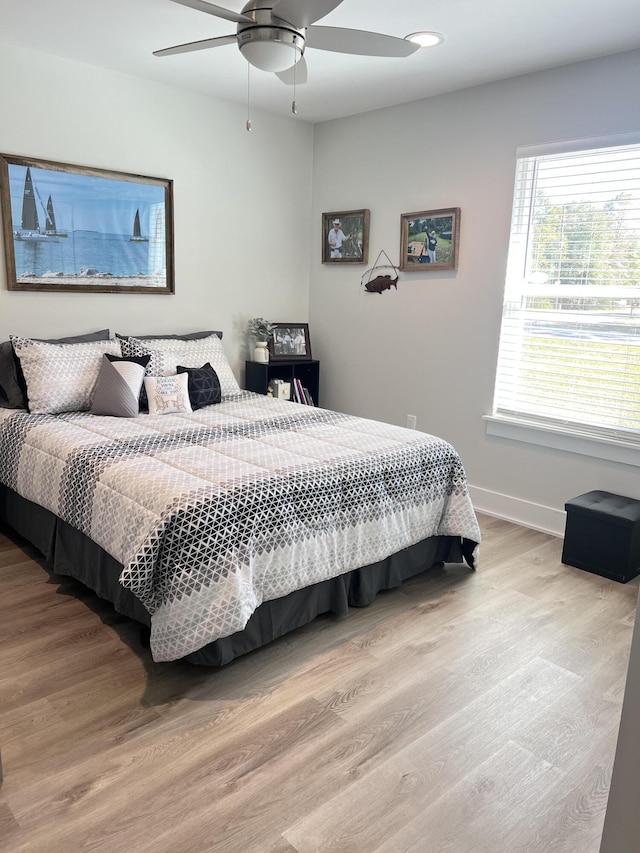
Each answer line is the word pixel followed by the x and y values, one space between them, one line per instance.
pixel 417 254
pixel 290 341
pixel 84 230
pixel 352 232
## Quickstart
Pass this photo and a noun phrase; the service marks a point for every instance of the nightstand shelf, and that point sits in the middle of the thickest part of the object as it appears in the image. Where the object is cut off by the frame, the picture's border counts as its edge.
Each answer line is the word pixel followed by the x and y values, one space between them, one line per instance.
pixel 258 375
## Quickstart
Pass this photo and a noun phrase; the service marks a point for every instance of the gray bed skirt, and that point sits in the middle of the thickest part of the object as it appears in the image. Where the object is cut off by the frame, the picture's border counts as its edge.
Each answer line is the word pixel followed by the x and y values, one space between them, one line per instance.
pixel 69 552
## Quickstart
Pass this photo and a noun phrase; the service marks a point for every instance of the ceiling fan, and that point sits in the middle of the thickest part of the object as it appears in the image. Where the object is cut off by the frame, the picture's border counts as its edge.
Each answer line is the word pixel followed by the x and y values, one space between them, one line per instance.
pixel 272 35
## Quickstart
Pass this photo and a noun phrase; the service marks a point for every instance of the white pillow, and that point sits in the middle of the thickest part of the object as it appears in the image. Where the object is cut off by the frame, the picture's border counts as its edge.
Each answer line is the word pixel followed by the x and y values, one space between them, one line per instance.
pixel 195 354
pixel 168 394
pixel 161 362
pixel 60 377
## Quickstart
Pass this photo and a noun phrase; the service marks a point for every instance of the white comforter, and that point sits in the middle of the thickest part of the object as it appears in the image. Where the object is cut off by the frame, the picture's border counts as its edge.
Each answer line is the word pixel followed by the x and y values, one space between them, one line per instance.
pixel 213 512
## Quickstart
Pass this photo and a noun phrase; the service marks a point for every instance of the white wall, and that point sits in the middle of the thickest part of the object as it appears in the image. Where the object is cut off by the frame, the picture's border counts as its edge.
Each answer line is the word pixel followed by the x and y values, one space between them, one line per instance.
pixel 431 348
pixel 231 201
pixel 428 350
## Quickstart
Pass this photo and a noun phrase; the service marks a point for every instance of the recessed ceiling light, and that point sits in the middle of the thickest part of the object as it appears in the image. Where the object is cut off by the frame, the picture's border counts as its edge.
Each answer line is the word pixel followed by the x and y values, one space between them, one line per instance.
pixel 425 38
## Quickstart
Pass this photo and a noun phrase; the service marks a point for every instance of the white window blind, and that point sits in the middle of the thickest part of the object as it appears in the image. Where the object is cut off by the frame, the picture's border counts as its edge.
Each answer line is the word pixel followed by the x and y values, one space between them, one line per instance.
pixel 570 339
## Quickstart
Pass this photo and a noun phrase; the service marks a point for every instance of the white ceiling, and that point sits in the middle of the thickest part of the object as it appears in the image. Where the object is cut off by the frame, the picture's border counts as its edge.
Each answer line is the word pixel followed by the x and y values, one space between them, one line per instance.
pixel 485 41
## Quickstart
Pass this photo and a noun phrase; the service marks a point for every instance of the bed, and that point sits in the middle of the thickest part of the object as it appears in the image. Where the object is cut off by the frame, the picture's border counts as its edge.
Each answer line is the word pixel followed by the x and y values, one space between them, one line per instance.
pixel 227 526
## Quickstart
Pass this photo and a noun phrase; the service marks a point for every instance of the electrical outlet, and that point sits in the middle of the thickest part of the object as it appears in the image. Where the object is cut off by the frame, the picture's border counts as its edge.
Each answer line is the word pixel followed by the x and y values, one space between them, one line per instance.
pixel 411 421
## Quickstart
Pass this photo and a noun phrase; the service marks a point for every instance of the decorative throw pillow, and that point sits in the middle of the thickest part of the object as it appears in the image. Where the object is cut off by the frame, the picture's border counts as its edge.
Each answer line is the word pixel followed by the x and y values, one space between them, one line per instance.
pixel 198 352
pixel 60 377
pixel 11 395
pixel 204 386
pixel 13 389
pixel 168 394
pixel 117 391
pixel 160 363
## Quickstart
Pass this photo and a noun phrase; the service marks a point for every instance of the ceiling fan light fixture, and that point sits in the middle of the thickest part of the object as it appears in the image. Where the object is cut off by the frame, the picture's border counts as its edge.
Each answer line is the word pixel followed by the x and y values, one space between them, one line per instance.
pixel 271 48
pixel 426 38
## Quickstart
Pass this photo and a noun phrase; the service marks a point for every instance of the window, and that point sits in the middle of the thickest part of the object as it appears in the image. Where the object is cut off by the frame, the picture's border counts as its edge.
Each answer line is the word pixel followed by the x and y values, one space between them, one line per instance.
pixel 569 353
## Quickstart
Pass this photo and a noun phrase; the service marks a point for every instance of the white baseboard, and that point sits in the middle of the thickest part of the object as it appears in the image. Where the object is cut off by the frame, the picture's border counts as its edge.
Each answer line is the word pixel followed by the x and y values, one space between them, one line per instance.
pixel 528 514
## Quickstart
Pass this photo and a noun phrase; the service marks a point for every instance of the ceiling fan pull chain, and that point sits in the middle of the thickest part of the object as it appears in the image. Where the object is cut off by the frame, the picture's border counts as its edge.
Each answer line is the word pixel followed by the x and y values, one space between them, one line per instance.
pixel 294 108
pixel 248 124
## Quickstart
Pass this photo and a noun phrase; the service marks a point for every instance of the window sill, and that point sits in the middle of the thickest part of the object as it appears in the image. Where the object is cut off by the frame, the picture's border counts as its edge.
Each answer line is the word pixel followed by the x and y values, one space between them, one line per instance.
pixel 545 436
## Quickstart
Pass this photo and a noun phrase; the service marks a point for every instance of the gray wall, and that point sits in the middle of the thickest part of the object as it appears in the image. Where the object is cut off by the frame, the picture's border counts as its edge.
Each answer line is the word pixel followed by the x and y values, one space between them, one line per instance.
pixel 249 243
pixel 431 348
pixel 229 199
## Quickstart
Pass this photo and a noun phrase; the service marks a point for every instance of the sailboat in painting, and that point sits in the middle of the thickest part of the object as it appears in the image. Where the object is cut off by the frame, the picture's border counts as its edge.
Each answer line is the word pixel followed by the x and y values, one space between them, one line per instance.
pixel 29 223
pixel 137 237
pixel 50 227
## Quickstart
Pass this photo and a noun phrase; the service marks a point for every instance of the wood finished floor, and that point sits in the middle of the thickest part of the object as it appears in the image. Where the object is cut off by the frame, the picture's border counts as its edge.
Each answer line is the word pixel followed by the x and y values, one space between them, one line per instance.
pixel 463 712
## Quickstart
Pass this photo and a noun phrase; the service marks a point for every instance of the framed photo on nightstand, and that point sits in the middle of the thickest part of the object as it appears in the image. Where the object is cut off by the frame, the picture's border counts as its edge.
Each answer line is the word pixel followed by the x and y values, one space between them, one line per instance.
pixel 289 340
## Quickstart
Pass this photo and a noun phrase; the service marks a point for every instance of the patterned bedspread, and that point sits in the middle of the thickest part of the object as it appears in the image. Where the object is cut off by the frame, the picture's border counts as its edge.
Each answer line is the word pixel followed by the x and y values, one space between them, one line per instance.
pixel 213 512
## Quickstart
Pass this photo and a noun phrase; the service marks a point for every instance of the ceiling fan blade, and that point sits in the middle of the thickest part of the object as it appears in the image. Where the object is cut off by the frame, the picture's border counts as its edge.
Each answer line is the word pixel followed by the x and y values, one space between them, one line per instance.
pixel 302 13
pixel 359 42
pixel 218 11
pixel 299 70
pixel 196 45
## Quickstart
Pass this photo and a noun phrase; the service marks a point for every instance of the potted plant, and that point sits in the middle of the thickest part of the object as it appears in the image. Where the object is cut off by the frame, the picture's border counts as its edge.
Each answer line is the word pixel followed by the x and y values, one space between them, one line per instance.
pixel 261 331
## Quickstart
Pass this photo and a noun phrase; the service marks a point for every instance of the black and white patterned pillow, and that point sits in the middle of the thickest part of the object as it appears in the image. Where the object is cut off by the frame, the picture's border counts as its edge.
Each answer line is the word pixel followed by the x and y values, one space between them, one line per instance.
pixel 195 353
pixel 161 362
pixel 204 386
pixel 60 377
pixel 13 389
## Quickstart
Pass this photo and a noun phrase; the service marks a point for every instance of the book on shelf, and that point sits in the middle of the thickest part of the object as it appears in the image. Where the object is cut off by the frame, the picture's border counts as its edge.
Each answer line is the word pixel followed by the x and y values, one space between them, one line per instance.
pixel 300 393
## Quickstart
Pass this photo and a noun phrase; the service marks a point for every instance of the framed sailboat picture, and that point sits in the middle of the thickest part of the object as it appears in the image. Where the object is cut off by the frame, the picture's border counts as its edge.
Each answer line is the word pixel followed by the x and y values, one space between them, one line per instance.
pixel 71 228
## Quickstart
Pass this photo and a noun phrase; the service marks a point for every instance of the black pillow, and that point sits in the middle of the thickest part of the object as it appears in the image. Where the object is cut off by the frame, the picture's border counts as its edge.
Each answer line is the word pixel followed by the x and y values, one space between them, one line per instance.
pixel 188 336
pixel 203 385
pixel 11 395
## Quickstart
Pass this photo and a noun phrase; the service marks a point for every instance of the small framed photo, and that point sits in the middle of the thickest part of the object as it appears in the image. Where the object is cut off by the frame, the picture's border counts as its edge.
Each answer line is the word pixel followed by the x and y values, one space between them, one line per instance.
pixel 345 237
pixel 290 340
pixel 429 240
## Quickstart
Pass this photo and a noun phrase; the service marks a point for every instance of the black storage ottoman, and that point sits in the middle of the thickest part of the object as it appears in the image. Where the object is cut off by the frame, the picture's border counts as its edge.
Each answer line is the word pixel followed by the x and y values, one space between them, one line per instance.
pixel 602 535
